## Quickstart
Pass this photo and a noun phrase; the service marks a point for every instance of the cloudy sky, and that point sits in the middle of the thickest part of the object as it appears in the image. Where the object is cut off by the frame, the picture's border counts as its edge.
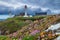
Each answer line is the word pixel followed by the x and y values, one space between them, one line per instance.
pixel 53 4
pixel 44 4
pixel 18 3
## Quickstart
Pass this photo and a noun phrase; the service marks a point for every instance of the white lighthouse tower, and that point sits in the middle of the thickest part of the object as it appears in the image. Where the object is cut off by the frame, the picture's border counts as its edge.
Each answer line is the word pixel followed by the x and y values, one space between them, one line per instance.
pixel 25 11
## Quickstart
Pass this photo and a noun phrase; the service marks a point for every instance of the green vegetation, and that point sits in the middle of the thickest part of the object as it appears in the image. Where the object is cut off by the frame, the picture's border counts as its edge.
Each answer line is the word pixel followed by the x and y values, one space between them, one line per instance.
pixel 28 38
pixel 7 38
pixel 4 38
pixel 31 37
pixel 13 24
pixel 29 18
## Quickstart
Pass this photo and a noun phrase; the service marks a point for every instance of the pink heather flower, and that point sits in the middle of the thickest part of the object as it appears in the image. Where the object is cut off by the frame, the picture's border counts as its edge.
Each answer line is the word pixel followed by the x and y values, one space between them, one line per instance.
pixel 10 35
pixel 34 32
pixel 15 34
pixel 20 39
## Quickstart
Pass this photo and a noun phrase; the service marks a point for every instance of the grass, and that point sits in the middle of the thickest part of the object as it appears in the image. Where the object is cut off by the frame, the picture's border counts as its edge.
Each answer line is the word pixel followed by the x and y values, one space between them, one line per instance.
pixel 3 37
pixel 28 38
pixel 6 38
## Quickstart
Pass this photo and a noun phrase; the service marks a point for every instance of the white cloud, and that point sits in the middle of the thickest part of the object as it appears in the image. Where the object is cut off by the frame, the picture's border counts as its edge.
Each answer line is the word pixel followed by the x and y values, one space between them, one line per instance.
pixel 10 4
pixel 44 9
pixel 16 5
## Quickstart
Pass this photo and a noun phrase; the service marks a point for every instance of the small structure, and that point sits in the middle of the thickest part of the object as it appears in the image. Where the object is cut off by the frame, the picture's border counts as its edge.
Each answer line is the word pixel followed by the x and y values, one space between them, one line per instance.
pixel 49 12
pixel 10 13
pixel 41 13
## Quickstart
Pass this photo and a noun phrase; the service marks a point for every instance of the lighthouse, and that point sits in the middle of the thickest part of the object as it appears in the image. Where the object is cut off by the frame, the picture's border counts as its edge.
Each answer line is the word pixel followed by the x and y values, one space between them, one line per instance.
pixel 25 8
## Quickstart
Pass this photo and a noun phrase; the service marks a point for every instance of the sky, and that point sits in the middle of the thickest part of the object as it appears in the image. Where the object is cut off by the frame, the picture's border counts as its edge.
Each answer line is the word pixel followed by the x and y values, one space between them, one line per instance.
pixel 54 4
pixel 17 5
pixel 44 4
